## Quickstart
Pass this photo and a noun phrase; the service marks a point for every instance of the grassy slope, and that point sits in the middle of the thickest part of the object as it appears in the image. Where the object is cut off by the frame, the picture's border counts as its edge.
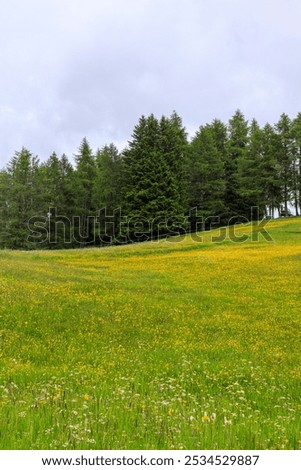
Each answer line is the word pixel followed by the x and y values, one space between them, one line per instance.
pixel 176 344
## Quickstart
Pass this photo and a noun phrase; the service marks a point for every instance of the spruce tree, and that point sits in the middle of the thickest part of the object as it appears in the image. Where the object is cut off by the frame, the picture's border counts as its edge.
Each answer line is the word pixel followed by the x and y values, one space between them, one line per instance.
pixel 174 147
pixel 220 137
pixel 296 134
pixel 284 153
pixel 270 172
pixel 236 204
pixel 22 198
pixel 107 192
pixel 4 208
pixel 250 170
pixel 206 176
pixel 58 199
pixel 83 186
pixel 151 191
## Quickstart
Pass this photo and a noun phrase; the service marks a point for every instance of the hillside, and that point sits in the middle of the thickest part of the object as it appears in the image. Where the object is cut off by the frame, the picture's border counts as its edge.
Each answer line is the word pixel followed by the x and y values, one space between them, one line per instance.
pixel 175 344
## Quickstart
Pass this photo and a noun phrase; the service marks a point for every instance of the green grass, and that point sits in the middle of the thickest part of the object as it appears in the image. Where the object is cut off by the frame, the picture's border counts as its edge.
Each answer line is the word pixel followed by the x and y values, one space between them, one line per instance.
pixel 162 345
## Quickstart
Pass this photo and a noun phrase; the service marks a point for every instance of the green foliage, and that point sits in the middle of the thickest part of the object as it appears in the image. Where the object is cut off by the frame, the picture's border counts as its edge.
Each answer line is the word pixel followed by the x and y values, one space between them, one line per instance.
pixel 296 165
pixel 153 170
pixel 58 197
pixel 236 204
pixel 107 192
pixel 284 154
pixel 20 198
pixel 153 186
pixel 206 177
pixel 83 183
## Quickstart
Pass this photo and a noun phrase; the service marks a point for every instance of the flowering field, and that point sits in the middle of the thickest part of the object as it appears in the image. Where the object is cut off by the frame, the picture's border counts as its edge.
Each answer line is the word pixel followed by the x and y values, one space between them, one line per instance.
pixel 171 345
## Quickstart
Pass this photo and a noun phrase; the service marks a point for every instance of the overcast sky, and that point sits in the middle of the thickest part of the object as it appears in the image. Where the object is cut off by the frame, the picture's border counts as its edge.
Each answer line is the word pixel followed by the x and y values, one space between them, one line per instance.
pixel 76 68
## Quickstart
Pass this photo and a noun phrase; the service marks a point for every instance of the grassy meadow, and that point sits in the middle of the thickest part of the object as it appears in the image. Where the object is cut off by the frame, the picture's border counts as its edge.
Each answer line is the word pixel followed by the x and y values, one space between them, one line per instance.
pixel 174 344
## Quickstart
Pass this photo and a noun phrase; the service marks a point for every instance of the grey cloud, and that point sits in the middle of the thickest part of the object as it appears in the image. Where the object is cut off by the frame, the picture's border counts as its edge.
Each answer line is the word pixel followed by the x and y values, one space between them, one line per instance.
pixel 73 69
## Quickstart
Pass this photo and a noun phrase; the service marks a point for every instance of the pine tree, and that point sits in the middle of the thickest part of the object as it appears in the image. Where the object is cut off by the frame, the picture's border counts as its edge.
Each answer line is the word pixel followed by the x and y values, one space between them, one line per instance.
pixel 107 192
pixel 206 177
pixel 22 198
pixel 296 134
pixel 284 153
pixel 151 191
pixel 58 199
pixel 83 186
pixel 270 172
pixel 174 147
pixel 220 137
pixel 4 208
pixel 250 170
pixel 236 205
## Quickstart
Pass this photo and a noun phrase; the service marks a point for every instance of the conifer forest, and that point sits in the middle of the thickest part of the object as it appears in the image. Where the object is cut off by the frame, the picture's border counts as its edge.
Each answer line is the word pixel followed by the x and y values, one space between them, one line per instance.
pixel 162 183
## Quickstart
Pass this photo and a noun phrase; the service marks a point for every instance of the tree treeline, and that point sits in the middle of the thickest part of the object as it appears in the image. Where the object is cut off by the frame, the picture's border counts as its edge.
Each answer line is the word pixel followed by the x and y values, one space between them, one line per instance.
pixel 159 183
